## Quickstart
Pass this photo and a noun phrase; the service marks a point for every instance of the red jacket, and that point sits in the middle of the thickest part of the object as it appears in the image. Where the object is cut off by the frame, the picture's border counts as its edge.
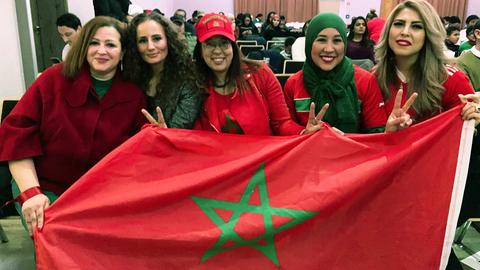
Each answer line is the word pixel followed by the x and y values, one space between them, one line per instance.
pixel 456 83
pixel 372 110
pixel 261 110
pixel 66 129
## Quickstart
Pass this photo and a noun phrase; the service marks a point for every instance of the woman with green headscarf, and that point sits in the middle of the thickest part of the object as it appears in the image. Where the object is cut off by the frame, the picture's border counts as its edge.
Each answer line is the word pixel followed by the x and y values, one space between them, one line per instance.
pixel 354 97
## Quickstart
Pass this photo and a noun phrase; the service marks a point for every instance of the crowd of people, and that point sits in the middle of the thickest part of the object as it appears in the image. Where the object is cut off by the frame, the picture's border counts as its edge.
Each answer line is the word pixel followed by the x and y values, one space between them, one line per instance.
pixel 117 76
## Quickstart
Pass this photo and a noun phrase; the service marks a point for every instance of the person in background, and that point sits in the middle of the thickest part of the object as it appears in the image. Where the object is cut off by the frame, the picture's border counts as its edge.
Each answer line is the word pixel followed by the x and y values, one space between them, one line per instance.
pixel 258 20
pixel 470 21
pixel 471 40
pixel 69 27
pixel 248 31
pixel 189 28
pixel 469 61
pixel 178 23
pixel 298 47
pixel 244 95
pixel 73 115
pixel 359 45
pixel 157 59
pixel 287 51
pixel 267 21
pixel 375 25
pixel 411 62
pixel 328 77
pixel 117 9
pixel 274 29
pixel 453 35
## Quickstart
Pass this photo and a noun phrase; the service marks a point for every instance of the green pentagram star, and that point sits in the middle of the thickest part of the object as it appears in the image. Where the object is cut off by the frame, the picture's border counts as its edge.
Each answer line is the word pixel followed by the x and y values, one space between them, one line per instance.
pixel 238 208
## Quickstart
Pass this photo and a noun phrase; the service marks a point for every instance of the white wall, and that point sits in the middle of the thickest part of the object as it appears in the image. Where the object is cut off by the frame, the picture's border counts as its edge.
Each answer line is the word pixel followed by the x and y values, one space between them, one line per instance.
pixel 11 70
pixel 473 7
pixel 84 8
pixel 205 5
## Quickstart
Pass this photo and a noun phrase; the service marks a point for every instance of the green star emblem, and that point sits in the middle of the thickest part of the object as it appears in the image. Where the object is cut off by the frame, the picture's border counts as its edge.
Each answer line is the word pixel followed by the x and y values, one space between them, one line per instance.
pixel 231 127
pixel 263 243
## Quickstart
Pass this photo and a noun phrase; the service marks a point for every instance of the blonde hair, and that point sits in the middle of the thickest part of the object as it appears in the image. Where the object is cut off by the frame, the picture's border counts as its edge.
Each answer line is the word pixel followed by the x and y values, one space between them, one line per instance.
pixel 428 73
pixel 77 56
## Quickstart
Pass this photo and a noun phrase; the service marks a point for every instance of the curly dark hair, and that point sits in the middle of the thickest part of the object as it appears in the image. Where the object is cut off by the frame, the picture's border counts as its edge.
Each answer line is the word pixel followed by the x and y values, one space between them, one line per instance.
pixel 178 66
pixel 235 74
pixel 366 41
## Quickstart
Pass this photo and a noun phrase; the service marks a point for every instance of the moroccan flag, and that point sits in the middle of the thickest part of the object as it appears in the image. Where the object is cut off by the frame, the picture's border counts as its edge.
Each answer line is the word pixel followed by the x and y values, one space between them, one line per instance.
pixel 181 199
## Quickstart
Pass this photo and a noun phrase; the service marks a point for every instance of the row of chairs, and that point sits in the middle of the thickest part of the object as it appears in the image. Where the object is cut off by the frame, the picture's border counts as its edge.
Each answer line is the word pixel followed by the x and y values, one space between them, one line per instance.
pixel 270 44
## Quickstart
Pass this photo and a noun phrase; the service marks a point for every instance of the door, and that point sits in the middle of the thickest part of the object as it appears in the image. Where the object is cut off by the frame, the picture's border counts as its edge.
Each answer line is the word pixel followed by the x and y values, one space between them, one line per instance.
pixel 47 40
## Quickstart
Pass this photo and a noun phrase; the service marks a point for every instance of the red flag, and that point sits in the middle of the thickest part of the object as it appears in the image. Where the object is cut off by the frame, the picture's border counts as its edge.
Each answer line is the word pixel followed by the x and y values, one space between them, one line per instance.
pixel 181 199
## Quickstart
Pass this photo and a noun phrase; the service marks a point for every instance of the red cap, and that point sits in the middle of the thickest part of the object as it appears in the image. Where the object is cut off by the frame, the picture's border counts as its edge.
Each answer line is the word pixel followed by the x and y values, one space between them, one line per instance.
pixel 213 24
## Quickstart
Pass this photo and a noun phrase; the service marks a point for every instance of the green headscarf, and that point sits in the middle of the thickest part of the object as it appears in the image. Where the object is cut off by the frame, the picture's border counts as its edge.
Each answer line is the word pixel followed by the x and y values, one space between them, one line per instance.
pixel 337 86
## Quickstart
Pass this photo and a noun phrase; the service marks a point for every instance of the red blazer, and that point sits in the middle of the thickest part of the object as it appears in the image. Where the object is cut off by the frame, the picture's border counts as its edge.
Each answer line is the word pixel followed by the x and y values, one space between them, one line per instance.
pixel 66 129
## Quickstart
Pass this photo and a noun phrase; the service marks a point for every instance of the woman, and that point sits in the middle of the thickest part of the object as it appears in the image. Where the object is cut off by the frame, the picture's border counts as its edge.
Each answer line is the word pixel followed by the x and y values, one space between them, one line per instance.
pixel 360 46
pixel 73 115
pixel 328 76
pixel 246 27
pixel 410 58
pixel 244 95
pixel 274 29
pixel 157 60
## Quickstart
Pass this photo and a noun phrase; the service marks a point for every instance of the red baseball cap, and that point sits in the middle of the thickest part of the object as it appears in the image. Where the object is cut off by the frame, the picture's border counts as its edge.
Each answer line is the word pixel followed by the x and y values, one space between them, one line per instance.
pixel 213 24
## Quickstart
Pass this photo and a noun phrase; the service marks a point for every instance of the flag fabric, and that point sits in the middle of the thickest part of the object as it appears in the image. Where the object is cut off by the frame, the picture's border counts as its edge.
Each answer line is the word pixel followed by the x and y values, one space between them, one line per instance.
pixel 182 199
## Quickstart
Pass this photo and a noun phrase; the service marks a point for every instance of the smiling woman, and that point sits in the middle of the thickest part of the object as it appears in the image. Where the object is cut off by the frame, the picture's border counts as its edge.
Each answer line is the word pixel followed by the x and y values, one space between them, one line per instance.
pixel 157 59
pixel 244 97
pixel 62 126
pixel 330 77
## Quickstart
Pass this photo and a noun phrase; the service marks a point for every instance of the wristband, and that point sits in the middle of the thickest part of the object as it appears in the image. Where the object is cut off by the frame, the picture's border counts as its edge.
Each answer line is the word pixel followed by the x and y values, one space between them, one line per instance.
pixel 27 194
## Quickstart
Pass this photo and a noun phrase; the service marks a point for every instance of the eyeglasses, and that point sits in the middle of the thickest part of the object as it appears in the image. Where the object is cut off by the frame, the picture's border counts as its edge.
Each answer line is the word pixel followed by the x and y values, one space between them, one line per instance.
pixel 211 45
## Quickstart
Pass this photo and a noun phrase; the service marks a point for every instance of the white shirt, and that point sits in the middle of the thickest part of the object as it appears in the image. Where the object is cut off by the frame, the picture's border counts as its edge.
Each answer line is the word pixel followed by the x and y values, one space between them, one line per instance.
pixel 298 49
pixel 65 51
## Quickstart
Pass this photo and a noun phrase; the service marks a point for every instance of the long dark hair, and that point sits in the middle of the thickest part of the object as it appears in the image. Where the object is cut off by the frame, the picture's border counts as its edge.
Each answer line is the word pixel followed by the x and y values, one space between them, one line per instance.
pixel 235 73
pixel 178 66
pixel 366 41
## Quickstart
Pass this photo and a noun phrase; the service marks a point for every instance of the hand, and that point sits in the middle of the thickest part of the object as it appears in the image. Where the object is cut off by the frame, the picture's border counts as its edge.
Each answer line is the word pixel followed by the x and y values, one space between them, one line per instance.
pixel 399 118
pixel 314 123
pixel 33 210
pixel 160 122
pixel 471 110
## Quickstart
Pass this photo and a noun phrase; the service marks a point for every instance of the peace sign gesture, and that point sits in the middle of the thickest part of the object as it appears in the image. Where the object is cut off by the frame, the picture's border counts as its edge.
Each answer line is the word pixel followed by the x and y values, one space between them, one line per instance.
pixel 160 122
pixel 314 123
pixel 399 118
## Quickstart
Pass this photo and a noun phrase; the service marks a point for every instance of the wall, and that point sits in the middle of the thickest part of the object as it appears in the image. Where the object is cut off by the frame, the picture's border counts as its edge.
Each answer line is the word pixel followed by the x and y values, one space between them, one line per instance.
pixel 84 9
pixel 204 5
pixel 473 7
pixel 11 70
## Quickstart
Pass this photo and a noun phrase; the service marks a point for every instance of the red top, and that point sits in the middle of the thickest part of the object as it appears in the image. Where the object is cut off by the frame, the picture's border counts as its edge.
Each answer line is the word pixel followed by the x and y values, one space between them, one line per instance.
pixel 66 129
pixel 456 83
pixel 372 110
pixel 261 110
pixel 375 28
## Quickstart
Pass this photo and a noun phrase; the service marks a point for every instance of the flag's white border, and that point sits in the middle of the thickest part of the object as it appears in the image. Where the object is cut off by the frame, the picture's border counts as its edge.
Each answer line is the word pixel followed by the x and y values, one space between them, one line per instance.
pixel 463 161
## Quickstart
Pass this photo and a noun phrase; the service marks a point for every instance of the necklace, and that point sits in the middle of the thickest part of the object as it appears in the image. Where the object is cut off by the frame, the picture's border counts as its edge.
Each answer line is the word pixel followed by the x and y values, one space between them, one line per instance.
pixel 220 85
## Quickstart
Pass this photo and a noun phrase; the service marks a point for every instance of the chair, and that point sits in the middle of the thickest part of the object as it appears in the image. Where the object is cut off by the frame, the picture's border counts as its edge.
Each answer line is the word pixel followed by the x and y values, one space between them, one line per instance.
pixel 463 230
pixel 275 44
pixel 246 42
pixel 282 78
pixel 292 66
pixel 246 49
pixel 6 106
pixel 366 64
